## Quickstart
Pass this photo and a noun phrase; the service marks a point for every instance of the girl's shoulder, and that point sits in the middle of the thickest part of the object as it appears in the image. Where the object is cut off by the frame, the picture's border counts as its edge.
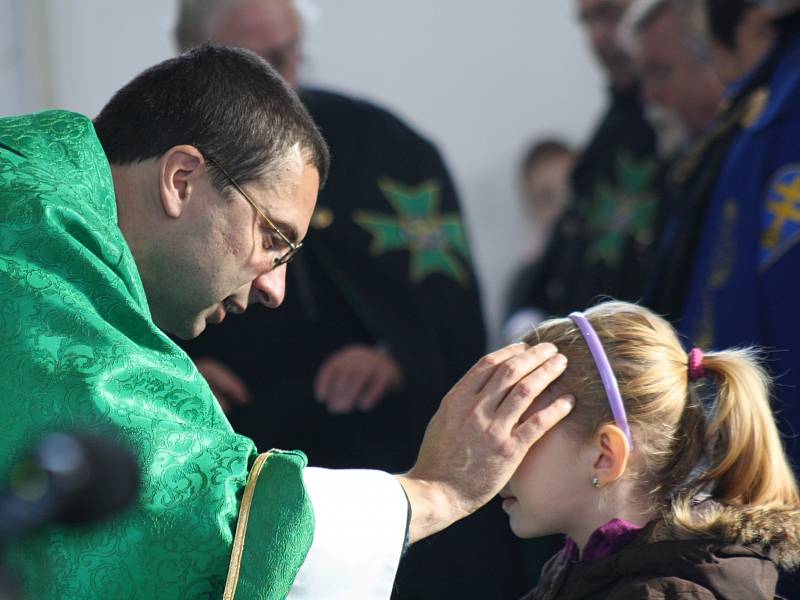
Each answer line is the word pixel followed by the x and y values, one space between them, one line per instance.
pixel 661 588
pixel 666 568
pixel 551 578
pixel 773 532
pixel 694 568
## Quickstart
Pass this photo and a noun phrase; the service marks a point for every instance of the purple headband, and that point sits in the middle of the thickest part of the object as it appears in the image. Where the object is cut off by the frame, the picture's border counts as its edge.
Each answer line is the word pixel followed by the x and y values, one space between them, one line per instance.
pixel 606 374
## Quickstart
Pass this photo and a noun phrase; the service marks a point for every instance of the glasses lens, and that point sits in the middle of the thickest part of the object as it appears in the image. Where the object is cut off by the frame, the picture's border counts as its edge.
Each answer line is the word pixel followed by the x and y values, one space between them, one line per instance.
pixel 287 258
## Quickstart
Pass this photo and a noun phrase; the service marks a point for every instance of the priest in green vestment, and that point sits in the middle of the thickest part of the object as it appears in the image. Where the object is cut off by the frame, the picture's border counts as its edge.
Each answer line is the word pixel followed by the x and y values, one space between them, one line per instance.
pixel 179 205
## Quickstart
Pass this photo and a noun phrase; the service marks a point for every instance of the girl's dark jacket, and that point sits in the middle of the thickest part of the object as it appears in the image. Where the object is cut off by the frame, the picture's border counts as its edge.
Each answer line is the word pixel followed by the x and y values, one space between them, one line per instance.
pixel 737 566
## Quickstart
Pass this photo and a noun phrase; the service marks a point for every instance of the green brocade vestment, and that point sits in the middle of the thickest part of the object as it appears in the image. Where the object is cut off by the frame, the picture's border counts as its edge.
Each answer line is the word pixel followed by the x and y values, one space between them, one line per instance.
pixel 80 352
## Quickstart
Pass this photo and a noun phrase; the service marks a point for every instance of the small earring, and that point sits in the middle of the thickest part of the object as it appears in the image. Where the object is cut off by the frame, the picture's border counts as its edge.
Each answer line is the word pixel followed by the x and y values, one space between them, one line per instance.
pixel 595 482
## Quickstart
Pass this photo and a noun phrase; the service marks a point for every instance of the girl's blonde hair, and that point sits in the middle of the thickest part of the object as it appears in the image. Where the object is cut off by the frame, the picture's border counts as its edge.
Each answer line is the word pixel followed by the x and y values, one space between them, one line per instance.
pixel 728 447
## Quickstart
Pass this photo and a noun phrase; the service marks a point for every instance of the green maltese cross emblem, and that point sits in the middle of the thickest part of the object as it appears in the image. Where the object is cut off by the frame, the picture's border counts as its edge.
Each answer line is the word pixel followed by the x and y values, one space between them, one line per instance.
pixel 435 240
pixel 622 211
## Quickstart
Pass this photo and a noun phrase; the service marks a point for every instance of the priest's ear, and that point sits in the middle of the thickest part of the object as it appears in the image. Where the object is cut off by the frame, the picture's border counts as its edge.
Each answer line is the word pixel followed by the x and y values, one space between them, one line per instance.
pixel 180 172
pixel 611 452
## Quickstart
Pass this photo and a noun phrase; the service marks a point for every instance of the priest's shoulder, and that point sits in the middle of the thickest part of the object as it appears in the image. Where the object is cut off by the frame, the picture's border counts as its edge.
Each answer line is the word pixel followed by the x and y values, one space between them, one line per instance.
pixel 47 132
pixel 56 141
pixel 55 156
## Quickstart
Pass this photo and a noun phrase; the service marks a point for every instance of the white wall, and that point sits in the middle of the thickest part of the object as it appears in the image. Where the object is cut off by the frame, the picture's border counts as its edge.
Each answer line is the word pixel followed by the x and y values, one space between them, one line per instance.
pixel 11 70
pixel 91 48
pixel 479 78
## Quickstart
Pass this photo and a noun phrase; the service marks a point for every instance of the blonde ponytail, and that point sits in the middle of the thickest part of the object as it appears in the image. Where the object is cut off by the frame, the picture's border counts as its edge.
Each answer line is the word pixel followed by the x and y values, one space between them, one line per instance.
pixel 754 490
pixel 749 466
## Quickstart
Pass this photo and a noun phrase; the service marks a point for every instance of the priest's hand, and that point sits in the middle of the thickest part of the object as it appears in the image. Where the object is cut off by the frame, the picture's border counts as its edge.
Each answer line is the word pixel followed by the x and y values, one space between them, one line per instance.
pixel 483 429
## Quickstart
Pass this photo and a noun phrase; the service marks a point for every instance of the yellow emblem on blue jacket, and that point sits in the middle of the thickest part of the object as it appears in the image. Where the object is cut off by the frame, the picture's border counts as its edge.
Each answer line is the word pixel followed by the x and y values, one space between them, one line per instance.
pixel 781 215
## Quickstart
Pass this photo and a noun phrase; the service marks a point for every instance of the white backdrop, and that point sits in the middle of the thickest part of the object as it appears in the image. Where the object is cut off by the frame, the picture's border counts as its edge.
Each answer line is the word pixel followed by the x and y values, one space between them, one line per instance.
pixel 11 71
pixel 479 78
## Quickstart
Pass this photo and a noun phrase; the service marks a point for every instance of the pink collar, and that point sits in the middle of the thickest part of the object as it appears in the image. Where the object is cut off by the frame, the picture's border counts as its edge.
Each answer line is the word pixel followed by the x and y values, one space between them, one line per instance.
pixel 606 540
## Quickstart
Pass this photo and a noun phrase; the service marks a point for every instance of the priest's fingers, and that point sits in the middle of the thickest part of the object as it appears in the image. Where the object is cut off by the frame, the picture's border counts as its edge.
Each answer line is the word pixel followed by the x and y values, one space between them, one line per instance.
pixel 475 379
pixel 512 371
pixel 525 392
pixel 554 390
pixel 529 431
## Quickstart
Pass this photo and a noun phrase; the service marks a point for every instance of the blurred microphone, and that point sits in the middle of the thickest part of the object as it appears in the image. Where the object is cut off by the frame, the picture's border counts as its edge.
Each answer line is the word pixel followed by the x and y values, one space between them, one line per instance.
pixel 69 479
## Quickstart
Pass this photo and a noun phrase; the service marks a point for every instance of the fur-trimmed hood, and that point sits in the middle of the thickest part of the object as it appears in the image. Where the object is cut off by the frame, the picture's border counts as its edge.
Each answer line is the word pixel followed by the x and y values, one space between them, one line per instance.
pixel 776 531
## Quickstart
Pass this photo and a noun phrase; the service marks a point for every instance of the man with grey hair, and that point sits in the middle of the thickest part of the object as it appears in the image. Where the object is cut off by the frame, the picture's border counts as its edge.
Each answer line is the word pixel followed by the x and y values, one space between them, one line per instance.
pixel 384 307
pixel 672 53
pixel 246 22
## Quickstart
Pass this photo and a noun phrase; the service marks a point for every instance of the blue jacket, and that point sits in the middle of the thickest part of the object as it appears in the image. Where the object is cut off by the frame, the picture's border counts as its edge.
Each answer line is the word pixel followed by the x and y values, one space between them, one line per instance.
pixel 745 283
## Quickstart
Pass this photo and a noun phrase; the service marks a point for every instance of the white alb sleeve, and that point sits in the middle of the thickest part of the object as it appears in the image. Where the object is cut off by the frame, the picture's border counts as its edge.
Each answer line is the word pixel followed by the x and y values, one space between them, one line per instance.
pixel 360 523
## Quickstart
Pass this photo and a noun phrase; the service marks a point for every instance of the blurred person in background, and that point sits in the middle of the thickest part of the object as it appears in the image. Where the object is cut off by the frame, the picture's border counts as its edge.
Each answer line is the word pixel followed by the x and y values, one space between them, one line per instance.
pixel 545 172
pixel 673 58
pixel 729 258
pixel 602 244
pixel 740 34
pixel 743 277
pixel 383 312
pixel 545 190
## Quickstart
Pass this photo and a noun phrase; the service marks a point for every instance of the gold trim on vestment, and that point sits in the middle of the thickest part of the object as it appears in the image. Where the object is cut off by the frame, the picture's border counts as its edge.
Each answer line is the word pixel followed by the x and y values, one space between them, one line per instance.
pixel 241 527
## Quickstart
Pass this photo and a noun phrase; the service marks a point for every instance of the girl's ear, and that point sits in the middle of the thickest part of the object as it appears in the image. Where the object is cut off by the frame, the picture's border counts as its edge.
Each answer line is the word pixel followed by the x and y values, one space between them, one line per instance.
pixel 611 451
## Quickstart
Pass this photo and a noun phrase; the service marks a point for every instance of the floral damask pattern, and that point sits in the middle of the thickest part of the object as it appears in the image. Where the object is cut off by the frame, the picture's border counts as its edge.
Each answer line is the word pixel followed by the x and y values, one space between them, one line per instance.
pixel 79 351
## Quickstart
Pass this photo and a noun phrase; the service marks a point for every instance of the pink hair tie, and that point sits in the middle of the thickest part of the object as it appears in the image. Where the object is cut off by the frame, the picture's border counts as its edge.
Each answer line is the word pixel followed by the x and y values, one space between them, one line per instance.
pixel 696 369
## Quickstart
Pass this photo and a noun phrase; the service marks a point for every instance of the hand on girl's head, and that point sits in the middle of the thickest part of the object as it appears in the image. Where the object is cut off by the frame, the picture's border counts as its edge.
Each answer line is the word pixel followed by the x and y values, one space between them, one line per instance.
pixel 477 438
pixel 524 375
pixel 554 391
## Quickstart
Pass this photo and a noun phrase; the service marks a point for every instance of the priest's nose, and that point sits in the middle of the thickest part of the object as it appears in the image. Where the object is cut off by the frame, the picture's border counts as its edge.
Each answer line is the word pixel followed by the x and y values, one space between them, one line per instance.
pixel 269 288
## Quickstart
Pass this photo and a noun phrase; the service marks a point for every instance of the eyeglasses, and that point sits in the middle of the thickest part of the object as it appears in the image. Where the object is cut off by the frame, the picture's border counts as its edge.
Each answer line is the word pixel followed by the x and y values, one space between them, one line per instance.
pixel 293 247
